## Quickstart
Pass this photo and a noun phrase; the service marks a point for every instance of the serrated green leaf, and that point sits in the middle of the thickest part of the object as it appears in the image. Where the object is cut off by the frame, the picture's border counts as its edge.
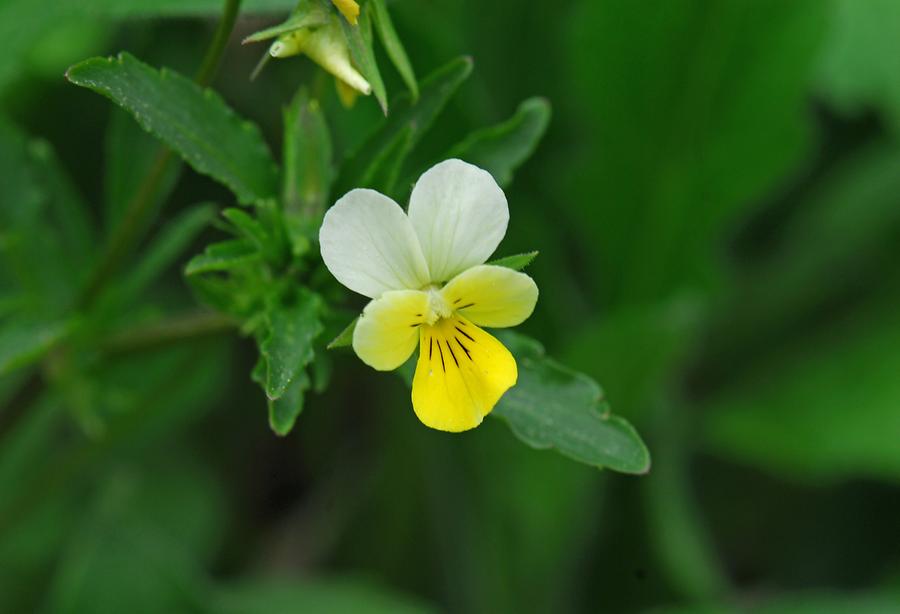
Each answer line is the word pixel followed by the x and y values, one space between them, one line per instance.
pixel 223 256
pixel 359 39
pixel 554 407
pixel 23 342
pixel 288 346
pixel 501 149
pixel 516 262
pixel 283 411
pixel 193 121
pixel 308 172
pixel 345 337
pixel 393 46
pixel 436 90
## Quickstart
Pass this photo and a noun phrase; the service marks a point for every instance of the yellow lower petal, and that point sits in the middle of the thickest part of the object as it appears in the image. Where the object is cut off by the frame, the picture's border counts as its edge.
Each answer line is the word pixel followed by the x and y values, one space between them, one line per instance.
pixel 386 332
pixel 461 374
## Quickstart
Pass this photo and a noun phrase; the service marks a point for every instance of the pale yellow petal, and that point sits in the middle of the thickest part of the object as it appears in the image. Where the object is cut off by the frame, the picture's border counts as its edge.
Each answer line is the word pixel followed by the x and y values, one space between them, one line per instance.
pixel 349 9
pixel 492 296
pixel 388 329
pixel 461 374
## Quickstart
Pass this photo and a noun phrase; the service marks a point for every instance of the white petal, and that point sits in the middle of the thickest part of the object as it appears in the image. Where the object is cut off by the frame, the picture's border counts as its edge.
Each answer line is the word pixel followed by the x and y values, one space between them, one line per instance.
pixel 369 245
pixel 460 215
pixel 388 329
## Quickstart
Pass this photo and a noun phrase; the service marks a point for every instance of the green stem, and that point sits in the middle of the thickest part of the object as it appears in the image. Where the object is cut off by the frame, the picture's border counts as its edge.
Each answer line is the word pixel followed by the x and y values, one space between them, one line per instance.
pixel 168 332
pixel 210 64
pixel 133 221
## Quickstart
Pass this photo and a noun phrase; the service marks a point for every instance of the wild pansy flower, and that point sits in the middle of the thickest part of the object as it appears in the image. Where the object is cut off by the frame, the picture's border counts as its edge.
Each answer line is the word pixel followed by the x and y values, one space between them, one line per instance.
pixel 424 271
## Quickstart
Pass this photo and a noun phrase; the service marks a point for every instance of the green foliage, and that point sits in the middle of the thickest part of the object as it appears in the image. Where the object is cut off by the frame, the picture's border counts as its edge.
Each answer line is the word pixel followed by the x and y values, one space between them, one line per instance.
pixel 223 256
pixel 516 262
pixel 196 123
pixel 716 209
pixel 406 124
pixel 502 148
pixel 23 342
pixel 308 171
pixel 345 337
pixel 673 145
pixel 393 46
pixel 361 596
pixel 129 155
pixel 164 250
pixel 359 39
pixel 859 65
pixel 554 407
pixel 850 394
pixel 287 346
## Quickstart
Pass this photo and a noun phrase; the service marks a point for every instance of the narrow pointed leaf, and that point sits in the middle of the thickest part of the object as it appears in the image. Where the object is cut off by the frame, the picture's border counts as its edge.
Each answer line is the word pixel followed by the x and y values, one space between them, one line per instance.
pixel 308 171
pixel 345 337
pixel 359 39
pixel 516 262
pixel 393 46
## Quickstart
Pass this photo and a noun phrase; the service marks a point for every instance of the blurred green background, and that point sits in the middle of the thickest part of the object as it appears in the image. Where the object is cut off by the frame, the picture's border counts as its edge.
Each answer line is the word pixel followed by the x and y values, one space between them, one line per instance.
pixel 717 207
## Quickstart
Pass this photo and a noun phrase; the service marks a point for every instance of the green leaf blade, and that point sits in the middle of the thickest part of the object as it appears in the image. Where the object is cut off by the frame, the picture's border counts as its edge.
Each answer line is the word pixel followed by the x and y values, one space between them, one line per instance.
pixel 394 47
pixel 308 172
pixel 359 39
pixel 194 122
pixel 554 407
pixel 344 338
pixel 284 411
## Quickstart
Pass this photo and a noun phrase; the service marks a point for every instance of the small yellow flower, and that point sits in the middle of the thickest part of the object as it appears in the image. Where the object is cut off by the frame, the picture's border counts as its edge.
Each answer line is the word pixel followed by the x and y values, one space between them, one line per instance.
pixel 425 274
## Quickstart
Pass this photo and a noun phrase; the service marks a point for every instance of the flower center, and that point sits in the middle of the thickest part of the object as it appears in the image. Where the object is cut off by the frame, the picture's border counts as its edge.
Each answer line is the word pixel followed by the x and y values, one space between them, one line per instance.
pixel 437 306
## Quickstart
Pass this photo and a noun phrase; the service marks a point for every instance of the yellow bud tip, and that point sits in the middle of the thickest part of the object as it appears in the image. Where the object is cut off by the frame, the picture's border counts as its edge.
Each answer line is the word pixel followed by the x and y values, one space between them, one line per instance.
pixel 349 9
